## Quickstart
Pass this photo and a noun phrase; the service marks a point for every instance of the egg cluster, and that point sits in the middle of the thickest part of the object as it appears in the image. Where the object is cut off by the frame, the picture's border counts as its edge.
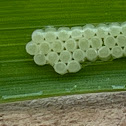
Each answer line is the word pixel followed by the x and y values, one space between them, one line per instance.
pixel 65 48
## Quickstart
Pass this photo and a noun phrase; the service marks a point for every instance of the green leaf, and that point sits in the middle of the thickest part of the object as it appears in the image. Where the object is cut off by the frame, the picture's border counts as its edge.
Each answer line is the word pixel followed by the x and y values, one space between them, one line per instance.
pixel 21 78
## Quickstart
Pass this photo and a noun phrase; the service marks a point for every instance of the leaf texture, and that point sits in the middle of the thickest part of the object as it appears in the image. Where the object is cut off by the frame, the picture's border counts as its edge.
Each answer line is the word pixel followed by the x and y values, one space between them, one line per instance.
pixel 21 78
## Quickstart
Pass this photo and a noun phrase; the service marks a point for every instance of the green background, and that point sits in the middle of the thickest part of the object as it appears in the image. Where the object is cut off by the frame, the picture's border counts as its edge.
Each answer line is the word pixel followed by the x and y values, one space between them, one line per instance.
pixel 20 75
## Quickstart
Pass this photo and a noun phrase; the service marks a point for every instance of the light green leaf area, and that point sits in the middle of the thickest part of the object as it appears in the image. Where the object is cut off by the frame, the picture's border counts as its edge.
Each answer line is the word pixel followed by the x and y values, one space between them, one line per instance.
pixel 21 78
